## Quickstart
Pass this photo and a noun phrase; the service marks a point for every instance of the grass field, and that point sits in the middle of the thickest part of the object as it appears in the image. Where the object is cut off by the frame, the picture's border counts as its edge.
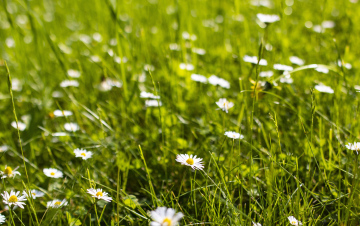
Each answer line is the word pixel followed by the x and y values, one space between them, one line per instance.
pixel 108 93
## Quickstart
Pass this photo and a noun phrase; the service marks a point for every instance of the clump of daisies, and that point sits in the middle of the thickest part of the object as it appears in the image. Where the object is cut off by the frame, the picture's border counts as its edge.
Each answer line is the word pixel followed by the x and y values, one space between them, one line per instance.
pixel 192 161
pixel 224 104
pixel 56 203
pixel 99 194
pixel 82 153
pixel 163 216
pixel 54 173
pixel 293 221
pixel 13 199
pixel 9 172
pixel 233 135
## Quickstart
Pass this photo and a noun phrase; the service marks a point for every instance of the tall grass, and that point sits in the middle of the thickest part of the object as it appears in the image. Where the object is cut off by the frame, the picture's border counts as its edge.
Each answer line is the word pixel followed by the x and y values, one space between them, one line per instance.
pixel 292 160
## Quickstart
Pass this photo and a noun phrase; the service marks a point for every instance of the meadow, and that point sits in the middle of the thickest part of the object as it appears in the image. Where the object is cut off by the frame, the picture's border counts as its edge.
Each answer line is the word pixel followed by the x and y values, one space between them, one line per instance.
pixel 164 113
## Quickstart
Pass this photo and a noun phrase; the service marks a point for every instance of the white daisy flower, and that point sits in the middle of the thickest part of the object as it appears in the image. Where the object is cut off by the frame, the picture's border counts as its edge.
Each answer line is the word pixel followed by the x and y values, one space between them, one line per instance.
pixel 188 67
pixel 223 83
pixel 62 113
pixel 233 135
pixel 56 203
pixel 265 3
pixel 9 173
pixel 2 219
pixel 34 193
pixel 256 224
pixel 199 51
pixel 82 153
pixel 51 172
pixel 296 60
pixel 214 80
pixel 149 67
pixel 174 47
pixel 113 82
pixel 57 94
pixel 238 17
pixel 328 24
pixel 265 18
pixel 71 127
pixel 199 78
pixel 163 216
pixel 192 161
pixel 224 104
pixel 324 89
pixel 354 147
pixel 73 73
pixel 95 58
pixel 97 37
pixel 144 94
pixel 69 83
pixel 254 60
pixel 287 78
pixel 346 65
pixel 282 67
pixel 4 148
pixel 318 28
pixel 16 84
pixel 14 199
pixel 21 125
pixel 153 103
pixel 108 84
pixel 85 38
pixel 266 74
pixel 119 60
pixel 59 134
pixel 188 36
pixel 99 194
pixel 322 69
pixel 293 221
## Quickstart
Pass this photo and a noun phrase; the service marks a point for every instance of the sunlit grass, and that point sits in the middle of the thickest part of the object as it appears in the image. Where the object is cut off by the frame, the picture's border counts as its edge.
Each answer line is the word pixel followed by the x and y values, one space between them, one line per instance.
pixel 224 112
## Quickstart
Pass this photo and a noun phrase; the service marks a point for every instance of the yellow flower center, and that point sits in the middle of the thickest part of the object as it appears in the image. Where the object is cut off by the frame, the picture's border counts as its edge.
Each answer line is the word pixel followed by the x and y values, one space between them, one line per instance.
pixel 52 174
pixel 8 170
pixel 57 203
pixel 83 154
pixel 13 198
pixel 190 162
pixel 168 221
pixel 99 194
pixel 33 194
pixel 293 222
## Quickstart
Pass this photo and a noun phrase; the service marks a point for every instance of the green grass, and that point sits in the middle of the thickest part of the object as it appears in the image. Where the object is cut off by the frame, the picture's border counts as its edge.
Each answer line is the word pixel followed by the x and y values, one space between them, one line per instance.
pixel 292 160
